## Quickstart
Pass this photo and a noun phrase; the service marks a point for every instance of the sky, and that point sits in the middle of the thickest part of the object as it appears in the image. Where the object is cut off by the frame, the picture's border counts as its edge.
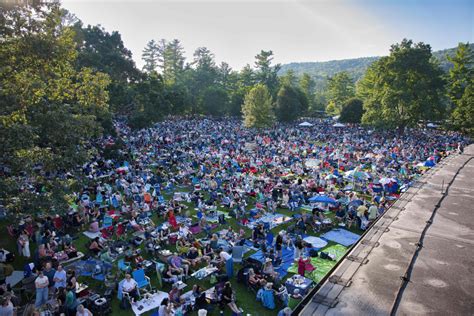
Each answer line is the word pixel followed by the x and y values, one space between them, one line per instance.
pixel 296 31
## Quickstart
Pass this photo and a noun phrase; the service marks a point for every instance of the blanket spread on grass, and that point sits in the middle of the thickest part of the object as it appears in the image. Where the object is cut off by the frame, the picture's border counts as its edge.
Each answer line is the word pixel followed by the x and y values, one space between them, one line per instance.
pixel 287 260
pixel 322 266
pixel 273 220
pixel 341 236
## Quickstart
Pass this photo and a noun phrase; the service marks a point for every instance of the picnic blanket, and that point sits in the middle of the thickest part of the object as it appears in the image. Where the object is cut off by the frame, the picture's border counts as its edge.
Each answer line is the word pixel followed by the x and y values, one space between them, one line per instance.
pixel 273 220
pixel 341 236
pixel 287 260
pixel 15 278
pixel 92 235
pixel 316 242
pixel 323 266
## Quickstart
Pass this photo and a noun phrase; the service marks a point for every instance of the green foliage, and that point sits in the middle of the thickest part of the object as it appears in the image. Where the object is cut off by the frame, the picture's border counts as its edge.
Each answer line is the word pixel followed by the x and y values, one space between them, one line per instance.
pixel 266 73
pixel 151 56
pixel 214 101
pixel 403 88
pixel 49 109
pixel 463 115
pixel 340 89
pixel 356 67
pixel 151 103
pixel 461 73
pixel 352 111
pixel 172 61
pixel 257 108
pixel 287 106
pixel 105 52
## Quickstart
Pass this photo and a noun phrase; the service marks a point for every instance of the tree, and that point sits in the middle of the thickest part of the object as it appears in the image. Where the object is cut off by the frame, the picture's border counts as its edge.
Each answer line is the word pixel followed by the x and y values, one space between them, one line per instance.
pixel 151 56
pixel 289 79
pixel 257 108
pixel 463 114
pixel 266 73
pixel 340 89
pixel 173 61
pixel 106 52
pixel 461 72
pixel 49 110
pixel 403 88
pixel 214 101
pixel 150 101
pixel 247 76
pixel 352 111
pixel 307 85
pixel 290 103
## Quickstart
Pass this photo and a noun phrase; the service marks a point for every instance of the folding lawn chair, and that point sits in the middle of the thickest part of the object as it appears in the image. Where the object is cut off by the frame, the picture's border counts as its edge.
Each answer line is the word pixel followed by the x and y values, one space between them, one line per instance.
pixel 237 254
pixel 142 280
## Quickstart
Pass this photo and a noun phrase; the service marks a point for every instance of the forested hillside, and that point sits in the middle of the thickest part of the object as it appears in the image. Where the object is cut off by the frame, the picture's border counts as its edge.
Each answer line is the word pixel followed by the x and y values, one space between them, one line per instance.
pixel 356 67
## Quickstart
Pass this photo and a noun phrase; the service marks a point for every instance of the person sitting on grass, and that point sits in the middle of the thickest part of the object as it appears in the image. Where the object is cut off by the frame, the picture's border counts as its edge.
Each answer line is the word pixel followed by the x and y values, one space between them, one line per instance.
pixel 95 246
pixel 179 265
pixel 193 257
pixel 266 296
pixel 82 311
pixel 175 295
pixel 269 270
pixel 170 276
pixel 255 279
pixel 228 299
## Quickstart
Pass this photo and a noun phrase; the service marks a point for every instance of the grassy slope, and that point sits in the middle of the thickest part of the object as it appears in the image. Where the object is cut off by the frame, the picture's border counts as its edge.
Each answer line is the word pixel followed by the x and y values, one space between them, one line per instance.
pixel 245 298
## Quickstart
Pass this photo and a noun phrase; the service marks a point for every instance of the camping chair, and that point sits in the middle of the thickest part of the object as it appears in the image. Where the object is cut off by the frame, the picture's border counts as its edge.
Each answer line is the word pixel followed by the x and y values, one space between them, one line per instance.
pixel 124 266
pixel 237 254
pixel 108 222
pixel 120 230
pixel 161 200
pixel 142 280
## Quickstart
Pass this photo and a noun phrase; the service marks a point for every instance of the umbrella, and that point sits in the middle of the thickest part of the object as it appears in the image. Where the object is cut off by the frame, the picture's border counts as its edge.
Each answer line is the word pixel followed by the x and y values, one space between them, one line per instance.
pixel 330 176
pixel 322 199
pixel 356 174
pixel 339 125
pixel 305 124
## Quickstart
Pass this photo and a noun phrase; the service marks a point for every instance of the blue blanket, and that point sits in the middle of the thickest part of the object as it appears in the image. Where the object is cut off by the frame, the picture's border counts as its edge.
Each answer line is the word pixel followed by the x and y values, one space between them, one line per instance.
pixel 341 236
pixel 287 260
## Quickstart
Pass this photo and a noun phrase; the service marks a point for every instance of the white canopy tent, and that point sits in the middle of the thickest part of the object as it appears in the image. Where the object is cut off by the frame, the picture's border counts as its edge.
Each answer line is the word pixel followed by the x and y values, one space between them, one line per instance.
pixel 305 124
pixel 339 125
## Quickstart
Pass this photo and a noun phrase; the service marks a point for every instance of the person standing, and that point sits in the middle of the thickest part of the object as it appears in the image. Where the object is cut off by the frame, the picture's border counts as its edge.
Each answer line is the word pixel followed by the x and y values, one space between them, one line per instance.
pixel 6 306
pixel 41 284
pixel 60 277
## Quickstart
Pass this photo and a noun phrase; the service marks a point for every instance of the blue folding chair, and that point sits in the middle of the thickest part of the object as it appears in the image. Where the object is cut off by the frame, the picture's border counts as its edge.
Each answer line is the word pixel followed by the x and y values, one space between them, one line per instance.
pixel 124 266
pixel 237 254
pixel 108 222
pixel 161 199
pixel 141 279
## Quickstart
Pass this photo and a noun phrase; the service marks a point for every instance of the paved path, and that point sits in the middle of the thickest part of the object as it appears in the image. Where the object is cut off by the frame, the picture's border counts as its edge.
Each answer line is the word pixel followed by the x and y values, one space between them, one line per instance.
pixel 441 278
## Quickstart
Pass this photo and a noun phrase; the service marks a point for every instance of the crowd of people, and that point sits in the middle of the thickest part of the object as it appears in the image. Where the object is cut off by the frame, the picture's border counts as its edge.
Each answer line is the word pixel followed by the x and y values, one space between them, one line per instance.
pixel 183 168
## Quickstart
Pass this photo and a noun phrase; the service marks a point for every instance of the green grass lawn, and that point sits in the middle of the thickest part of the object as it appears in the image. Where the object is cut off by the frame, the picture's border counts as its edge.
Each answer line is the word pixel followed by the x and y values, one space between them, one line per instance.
pixel 245 297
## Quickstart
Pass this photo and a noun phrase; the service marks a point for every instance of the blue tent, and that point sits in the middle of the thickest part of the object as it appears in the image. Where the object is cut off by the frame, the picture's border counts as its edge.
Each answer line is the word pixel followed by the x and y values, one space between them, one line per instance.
pixel 322 199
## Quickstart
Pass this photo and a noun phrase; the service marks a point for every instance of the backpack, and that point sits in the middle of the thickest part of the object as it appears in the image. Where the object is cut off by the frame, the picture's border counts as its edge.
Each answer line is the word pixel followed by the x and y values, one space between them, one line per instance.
pixel 325 255
pixel 313 253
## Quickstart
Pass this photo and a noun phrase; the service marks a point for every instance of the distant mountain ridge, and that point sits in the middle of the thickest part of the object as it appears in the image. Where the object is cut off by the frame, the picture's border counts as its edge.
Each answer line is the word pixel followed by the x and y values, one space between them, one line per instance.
pixel 355 66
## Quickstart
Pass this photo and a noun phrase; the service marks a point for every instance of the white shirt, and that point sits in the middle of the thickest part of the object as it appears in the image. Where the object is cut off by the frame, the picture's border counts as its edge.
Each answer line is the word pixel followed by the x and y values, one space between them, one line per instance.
pixel 225 256
pixel 127 285
pixel 41 282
